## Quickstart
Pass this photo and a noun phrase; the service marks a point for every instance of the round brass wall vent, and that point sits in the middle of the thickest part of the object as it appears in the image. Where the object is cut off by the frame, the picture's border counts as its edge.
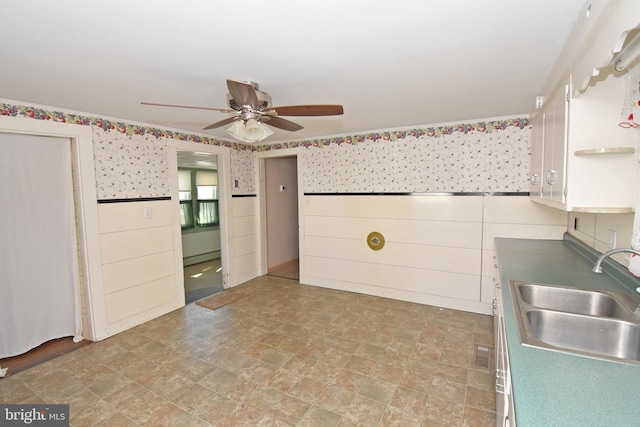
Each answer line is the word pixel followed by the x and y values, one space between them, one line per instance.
pixel 375 240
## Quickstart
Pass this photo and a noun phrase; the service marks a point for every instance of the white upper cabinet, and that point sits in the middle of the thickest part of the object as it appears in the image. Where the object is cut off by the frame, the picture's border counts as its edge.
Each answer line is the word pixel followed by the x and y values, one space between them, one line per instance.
pixel 554 134
pixel 582 160
pixel 537 147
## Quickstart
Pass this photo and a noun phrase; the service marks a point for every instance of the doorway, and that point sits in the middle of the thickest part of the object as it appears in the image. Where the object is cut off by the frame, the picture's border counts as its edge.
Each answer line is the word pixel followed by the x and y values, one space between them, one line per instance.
pixel 281 211
pixel 198 194
pixel 40 272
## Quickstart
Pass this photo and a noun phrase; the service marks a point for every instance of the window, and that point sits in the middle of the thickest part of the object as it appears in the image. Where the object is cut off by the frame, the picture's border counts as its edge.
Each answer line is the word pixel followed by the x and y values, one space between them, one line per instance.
pixel 203 210
pixel 186 214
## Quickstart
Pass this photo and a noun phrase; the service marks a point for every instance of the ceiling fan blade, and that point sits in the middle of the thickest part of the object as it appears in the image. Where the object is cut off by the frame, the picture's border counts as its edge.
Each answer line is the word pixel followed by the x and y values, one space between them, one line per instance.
pixel 281 123
pixel 308 110
pixel 221 123
pixel 243 93
pixel 224 110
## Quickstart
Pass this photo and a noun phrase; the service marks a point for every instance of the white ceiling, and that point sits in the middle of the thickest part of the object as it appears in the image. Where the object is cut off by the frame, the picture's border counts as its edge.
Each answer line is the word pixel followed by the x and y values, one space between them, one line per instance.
pixel 391 64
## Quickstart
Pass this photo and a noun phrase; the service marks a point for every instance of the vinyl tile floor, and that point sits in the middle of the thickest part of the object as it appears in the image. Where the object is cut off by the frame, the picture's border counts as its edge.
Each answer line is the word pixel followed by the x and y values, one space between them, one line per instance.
pixel 287 270
pixel 286 355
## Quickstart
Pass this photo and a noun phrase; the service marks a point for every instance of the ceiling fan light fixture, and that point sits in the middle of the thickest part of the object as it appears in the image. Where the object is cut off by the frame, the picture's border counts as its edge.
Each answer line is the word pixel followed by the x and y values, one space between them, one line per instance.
pixel 236 130
pixel 249 131
pixel 256 131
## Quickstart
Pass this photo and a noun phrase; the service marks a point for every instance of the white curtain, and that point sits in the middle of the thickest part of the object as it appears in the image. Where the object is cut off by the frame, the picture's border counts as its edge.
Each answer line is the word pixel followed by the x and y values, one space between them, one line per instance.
pixel 39 290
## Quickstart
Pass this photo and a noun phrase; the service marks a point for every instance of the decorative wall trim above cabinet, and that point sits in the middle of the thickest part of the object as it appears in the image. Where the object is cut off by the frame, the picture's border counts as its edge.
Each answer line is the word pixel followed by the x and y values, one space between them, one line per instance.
pixel 597 38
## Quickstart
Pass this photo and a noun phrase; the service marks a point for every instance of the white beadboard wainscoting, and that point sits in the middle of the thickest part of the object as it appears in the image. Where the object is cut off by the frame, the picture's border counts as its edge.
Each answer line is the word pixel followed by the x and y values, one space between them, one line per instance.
pixel 142 260
pixel 438 248
pixel 142 275
pixel 245 236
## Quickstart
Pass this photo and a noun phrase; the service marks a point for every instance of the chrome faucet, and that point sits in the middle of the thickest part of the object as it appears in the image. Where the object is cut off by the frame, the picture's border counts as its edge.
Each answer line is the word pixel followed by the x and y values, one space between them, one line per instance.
pixel 598 269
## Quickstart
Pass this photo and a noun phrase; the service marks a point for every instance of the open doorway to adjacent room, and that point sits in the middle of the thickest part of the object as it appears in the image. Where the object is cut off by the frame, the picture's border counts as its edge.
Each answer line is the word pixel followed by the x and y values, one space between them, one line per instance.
pixel 281 206
pixel 198 192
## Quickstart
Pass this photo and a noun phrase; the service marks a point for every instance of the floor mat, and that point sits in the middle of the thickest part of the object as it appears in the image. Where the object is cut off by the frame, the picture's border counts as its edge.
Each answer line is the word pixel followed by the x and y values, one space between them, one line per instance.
pixel 196 294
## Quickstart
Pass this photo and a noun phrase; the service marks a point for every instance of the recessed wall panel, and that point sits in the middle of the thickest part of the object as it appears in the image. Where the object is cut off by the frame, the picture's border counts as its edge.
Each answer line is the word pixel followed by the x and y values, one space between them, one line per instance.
pixel 138 299
pixel 123 245
pixel 131 272
pixel 134 215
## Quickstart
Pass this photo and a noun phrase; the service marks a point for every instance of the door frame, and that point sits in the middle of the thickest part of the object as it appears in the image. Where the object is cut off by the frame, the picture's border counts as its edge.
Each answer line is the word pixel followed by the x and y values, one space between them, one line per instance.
pixel 224 196
pixel 260 159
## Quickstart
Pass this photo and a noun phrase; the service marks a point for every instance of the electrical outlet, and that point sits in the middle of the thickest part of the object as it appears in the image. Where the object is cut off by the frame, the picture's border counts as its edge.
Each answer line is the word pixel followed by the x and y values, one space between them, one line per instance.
pixel 612 239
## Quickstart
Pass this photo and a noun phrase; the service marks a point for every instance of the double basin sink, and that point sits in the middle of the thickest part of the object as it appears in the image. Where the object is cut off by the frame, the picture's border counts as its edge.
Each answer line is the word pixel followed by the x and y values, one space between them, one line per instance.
pixel 597 324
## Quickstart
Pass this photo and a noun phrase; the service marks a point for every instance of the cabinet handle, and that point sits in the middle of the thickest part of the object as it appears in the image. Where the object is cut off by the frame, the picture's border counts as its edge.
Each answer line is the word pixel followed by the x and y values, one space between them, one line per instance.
pixel 500 389
pixel 534 179
pixel 552 177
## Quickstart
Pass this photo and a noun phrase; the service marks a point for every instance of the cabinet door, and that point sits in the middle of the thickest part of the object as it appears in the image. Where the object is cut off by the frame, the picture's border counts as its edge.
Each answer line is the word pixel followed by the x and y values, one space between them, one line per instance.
pixel 536 174
pixel 555 146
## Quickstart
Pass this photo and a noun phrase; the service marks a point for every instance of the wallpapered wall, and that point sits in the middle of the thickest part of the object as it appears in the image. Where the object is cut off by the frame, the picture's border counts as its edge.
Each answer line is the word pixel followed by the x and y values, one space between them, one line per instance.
pixel 129 167
pixel 475 160
pixel 131 160
pixel 137 166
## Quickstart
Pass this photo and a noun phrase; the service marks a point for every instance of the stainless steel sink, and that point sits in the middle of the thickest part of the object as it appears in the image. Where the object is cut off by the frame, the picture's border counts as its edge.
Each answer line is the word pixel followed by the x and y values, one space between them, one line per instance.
pixel 572 300
pixel 586 334
pixel 596 324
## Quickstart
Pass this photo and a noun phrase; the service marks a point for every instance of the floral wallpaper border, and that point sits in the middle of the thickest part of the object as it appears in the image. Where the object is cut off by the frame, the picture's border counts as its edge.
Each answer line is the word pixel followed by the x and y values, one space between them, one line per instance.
pixel 433 132
pixel 109 125
pixel 133 129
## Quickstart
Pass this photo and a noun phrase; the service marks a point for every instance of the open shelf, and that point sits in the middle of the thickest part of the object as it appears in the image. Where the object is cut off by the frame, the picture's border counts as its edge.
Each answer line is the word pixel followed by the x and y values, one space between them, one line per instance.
pixel 604 150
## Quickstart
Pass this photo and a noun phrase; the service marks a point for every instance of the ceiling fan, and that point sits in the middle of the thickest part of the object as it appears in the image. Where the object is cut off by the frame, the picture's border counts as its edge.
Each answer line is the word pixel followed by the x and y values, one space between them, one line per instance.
pixel 251 108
